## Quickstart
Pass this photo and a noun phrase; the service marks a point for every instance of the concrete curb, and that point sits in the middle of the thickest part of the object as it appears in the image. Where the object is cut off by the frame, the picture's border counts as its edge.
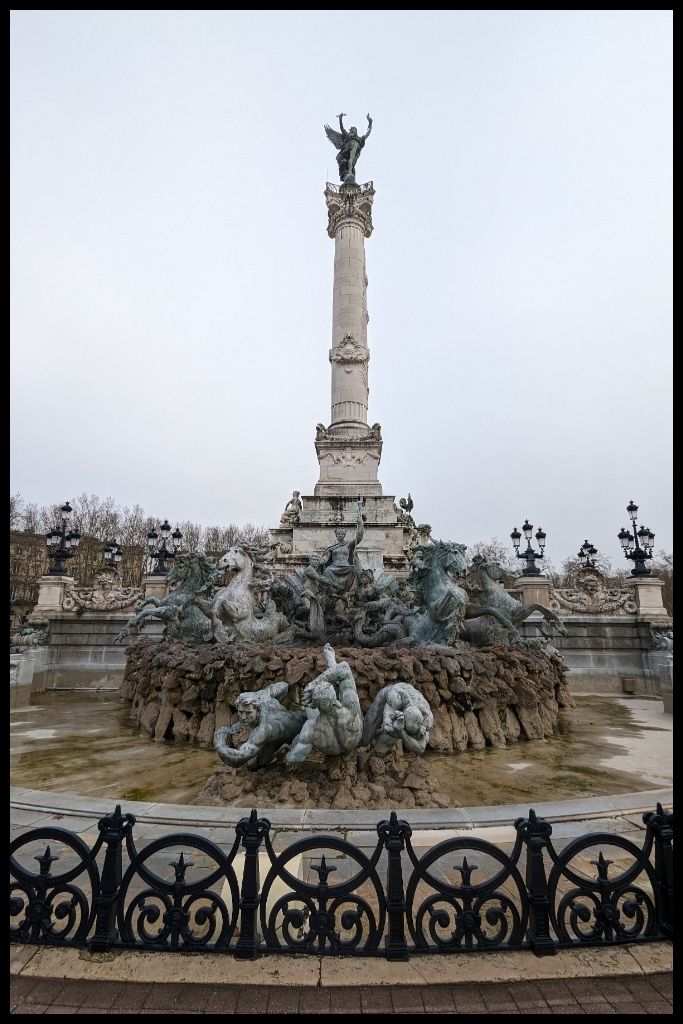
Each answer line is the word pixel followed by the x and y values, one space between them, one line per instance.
pixel 288 817
pixel 337 972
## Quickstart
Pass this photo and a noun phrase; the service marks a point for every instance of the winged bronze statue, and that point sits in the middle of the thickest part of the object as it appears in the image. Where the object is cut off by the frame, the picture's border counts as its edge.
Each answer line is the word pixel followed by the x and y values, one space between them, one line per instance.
pixel 349 144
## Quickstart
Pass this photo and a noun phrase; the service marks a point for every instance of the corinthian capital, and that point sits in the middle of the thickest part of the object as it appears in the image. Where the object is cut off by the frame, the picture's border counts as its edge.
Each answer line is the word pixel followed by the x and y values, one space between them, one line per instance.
pixel 349 204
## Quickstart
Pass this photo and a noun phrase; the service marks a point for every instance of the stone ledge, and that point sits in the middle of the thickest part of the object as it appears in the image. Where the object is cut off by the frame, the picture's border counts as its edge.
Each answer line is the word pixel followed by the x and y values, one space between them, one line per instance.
pixel 338 972
pixel 330 820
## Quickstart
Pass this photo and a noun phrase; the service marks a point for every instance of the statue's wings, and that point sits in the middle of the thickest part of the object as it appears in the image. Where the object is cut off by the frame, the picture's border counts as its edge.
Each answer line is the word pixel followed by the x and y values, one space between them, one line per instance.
pixel 336 138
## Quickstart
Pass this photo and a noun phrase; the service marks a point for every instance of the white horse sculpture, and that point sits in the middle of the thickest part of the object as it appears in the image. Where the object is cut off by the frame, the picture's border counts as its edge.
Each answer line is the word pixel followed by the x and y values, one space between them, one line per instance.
pixel 242 610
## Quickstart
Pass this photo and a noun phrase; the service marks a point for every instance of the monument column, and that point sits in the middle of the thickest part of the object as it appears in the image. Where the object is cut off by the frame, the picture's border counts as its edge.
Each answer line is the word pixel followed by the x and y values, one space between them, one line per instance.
pixel 350 223
pixel 349 451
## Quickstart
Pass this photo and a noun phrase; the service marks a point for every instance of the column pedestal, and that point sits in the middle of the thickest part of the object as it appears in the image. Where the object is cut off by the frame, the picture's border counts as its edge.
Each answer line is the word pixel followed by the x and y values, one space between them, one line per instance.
pixel 50 596
pixel 533 590
pixel 648 597
pixel 155 586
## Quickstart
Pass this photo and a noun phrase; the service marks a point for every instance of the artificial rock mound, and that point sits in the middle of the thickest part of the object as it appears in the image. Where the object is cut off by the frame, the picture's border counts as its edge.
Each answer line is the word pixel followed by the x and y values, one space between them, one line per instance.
pixel 356 779
pixel 488 696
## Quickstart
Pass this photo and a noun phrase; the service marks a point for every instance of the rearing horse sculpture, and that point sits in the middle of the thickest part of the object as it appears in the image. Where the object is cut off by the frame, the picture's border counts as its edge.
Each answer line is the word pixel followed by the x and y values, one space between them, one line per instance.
pixel 485 583
pixel 443 604
pixel 243 610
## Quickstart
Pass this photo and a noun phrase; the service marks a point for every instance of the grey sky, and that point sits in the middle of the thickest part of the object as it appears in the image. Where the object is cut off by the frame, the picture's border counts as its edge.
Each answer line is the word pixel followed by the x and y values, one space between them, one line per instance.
pixel 172 275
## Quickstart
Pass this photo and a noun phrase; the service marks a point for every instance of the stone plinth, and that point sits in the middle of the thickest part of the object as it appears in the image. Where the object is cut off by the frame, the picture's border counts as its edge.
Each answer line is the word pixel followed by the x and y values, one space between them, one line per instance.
pixel 348 465
pixel 533 590
pixel 50 596
pixel 155 586
pixel 648 596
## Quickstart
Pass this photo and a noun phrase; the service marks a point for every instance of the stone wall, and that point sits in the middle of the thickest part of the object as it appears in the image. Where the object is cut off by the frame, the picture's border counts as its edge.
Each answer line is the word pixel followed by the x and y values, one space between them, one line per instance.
pixel 606 653
pixel 81 652
pixel 479 698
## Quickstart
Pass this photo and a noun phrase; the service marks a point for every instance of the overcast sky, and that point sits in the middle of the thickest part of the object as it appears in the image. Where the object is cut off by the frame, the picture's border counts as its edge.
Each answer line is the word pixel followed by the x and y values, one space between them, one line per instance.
pixel 172 274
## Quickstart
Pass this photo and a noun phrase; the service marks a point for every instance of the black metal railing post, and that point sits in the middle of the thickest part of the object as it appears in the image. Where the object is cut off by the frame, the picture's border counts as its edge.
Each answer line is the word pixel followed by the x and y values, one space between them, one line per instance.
pixel 114 827
pixel 393 833
pixel 251 831
pixel 536 834
pixel 661 823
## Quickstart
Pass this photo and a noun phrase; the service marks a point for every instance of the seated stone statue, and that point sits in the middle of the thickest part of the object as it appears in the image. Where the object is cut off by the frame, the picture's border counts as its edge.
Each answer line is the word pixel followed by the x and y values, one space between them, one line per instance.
pixel 339 562
pixel 272 726
pixel 293 509
pixel 334 722
pixel 398 712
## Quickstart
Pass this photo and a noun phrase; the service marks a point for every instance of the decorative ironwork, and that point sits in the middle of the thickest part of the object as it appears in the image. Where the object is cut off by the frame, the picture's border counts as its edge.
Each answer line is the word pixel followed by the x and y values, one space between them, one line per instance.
pixel 323 895
pixel 530 569
pixel 599 910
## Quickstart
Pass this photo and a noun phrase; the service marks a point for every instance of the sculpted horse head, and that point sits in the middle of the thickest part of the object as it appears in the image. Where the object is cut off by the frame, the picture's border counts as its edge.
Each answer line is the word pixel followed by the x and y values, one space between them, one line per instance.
pixel 483 566
pixel 444 556
pixel 236 559
pixel 193 573
pixel 251 564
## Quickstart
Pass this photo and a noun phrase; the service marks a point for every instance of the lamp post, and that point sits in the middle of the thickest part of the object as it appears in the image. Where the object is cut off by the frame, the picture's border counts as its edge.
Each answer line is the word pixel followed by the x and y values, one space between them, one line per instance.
pixel 61 545
pixel 530 569
pixel 112 554
pixel 587 555
pixel 162 554
pixel 638 544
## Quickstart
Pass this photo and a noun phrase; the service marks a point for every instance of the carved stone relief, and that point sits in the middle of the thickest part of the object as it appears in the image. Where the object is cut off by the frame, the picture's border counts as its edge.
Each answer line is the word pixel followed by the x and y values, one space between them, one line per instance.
pixel 104 594
pixel 591 596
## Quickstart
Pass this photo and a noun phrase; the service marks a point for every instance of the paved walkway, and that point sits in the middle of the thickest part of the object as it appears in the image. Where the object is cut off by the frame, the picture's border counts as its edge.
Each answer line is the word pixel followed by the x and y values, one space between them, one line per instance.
pixel 624 979
pixel 652 994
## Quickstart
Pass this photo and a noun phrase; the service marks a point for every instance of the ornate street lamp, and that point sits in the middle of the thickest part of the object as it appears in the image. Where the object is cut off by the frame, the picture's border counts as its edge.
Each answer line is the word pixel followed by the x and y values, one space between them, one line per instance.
pixel 61 544
pixel 530 569
pixel 112 553
pixel 587 555
pixel 637 545
pixel 161 553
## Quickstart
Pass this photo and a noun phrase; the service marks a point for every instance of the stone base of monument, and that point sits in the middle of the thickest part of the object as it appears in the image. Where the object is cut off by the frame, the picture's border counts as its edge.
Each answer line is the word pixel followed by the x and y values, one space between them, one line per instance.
pixel 356 779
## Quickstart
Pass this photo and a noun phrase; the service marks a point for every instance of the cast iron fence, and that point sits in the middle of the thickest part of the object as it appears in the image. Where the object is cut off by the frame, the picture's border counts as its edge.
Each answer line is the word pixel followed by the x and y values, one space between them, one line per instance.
pixel 214 901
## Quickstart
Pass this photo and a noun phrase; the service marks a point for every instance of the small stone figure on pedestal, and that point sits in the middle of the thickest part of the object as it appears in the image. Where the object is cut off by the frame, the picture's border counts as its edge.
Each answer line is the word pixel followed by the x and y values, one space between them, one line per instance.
pixel 293 509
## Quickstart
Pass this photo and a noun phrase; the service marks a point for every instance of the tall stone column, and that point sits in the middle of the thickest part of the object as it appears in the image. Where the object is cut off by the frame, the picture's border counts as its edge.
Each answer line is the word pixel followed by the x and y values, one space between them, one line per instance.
pixel 349 451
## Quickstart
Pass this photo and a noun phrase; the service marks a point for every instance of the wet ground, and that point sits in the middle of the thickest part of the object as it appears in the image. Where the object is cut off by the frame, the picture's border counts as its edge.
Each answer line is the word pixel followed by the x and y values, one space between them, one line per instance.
pixel 84 743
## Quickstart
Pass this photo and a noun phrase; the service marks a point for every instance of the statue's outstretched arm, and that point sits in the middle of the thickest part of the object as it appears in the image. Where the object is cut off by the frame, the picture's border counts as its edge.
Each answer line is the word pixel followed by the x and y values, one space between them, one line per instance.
pixel 360 529
pixel 342 129
pixel 236 756
pixel 369 126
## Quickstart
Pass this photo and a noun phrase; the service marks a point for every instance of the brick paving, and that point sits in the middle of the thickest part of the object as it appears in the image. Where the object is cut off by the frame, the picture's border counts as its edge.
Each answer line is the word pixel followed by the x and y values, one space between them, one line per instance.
pixel 646 994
